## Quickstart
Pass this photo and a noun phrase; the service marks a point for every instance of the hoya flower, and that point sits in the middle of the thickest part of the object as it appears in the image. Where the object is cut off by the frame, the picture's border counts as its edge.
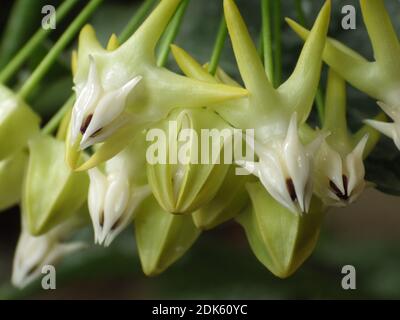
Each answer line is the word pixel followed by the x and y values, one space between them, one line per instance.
pixel 33 253
pixel 18 123
pixel 92 113
pixel 285 167
pixel 185 168
pixel 161 237
pixel 285 164
pixel 124 88
pixel 380 78
pixel 115 193
pixel 339 163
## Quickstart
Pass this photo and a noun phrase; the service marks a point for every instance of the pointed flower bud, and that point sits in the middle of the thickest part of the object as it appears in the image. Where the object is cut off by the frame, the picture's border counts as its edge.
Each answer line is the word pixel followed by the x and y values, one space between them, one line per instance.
pixel 115 194
pixel 281 240
pixel 161 237
pixel 229 201
pixel 12 172
pixel 18 123
pixel 52 192
pixel 185 167
pixel 32 253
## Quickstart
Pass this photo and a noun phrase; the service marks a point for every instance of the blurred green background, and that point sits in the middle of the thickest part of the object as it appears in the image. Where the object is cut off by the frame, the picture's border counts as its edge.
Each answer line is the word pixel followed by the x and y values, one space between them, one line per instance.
pixel 220 264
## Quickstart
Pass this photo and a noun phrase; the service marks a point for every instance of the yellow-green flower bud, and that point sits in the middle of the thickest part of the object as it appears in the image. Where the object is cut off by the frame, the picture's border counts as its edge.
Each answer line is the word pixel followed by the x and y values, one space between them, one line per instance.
pixel 186 164
pixel 18 123
pixel 229 201
pixel 162 238
pixel 12 172
pixel 281 240
pixel 52 191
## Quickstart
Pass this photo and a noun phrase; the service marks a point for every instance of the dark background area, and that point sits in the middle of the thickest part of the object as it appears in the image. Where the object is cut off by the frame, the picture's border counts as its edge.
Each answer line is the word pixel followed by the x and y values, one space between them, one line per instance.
pixel 220 264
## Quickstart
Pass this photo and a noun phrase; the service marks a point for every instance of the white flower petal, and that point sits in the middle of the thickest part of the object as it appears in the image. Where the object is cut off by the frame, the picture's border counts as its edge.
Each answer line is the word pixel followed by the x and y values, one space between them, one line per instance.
pixel 97 191
pixel 355 165
pixel 87 98
pixel 136 198
pixel 391 130
pixel 109 107
pixel 32 253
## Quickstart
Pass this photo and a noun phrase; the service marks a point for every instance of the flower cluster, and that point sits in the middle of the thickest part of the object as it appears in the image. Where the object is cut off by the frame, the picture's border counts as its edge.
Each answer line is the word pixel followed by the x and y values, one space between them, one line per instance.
pixel 94 171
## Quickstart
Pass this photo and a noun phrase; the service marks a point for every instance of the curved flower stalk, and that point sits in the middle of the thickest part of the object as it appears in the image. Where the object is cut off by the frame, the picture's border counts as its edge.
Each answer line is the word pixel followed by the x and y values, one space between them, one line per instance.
pixel 52 192
pixel 32 253
pixel 12 172
pixel 117 191
pixel 125 87
pixel 339 164
pixel 281 240
pixel 194 166
pixel 380 78
pixel 18 123
pixel 162 238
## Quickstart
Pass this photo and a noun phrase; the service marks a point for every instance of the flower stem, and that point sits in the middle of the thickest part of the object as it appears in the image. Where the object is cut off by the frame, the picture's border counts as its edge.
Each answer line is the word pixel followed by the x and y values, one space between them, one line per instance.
pixel 52 125
pixel 60 45
pixel 171 33
pixel 12 67
pixel 300 12
pixel 277 37
pixel 266 36
pixel 320 97
pixel 218 47
pixel 136 20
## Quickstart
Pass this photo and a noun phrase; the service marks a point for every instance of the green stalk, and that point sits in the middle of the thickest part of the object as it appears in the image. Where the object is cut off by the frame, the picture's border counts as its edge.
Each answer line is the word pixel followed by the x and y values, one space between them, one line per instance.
pixel 130 28
pixel 52 125
pixel 40 35
pixel 266 36
pixel 136 20
pixel 60 45
pixel 277 38
pixel 300 12
pixel 320 97
pixel 22 10
pixel 260 46
pixel 171 33
pixel 218 47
